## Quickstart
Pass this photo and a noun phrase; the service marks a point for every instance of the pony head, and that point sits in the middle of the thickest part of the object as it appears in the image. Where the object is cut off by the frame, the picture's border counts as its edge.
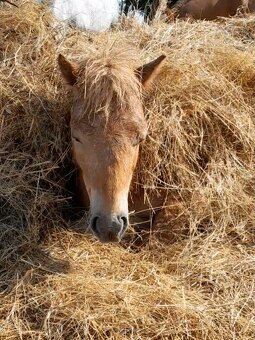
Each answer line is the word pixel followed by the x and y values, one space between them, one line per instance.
pixel 107 126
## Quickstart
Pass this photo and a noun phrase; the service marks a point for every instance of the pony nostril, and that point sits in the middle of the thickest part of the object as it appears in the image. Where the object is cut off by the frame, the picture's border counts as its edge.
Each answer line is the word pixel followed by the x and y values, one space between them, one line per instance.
pixel 124 221
pixel 93 225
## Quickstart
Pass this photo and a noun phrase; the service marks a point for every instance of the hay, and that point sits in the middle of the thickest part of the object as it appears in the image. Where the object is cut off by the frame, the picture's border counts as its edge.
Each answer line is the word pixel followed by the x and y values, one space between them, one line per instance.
pixel 193 277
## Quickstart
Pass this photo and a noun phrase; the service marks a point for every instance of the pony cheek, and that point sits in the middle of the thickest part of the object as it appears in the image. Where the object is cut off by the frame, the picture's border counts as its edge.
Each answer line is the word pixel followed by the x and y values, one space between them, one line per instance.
pixel 135 158
pixel 88 188
pixel 80 155
pixel 80 160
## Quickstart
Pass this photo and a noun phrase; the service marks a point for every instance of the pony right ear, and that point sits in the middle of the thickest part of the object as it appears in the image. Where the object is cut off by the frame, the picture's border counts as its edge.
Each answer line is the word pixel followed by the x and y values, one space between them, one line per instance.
pixel 68 70
pixel 148 72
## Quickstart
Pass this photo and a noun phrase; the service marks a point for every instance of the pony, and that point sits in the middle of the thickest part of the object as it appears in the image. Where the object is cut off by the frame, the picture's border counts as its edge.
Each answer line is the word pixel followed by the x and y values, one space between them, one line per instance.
pixel 207 9
pixel 107 125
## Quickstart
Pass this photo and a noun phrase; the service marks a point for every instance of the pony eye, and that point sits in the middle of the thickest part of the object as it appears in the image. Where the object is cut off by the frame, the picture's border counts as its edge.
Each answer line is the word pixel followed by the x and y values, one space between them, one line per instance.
pixel 76 139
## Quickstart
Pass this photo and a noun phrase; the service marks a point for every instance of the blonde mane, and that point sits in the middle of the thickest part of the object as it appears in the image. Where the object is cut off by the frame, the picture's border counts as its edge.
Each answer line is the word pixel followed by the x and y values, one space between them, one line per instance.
pixel 107 82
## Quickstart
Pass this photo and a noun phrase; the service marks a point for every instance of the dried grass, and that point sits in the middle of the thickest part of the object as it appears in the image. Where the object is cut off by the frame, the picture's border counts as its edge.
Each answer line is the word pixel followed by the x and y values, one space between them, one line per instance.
pixel 193 278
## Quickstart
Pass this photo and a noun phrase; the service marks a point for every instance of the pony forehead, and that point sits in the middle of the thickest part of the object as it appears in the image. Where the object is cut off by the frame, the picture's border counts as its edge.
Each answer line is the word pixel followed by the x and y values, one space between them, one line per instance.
pixel 107 83
pixel 114 68
pixel 117 56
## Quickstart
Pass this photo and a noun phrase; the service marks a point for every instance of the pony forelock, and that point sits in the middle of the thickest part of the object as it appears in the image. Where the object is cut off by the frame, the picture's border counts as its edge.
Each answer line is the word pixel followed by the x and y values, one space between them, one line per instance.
pixel 108 82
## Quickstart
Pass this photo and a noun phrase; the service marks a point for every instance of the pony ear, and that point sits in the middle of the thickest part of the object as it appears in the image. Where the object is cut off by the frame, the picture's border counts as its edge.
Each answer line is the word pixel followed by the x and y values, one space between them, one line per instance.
pixel 148 72
pixel 68 70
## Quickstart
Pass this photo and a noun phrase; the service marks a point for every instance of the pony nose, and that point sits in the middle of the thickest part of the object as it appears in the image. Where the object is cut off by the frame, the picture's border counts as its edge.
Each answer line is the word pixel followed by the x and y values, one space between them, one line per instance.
pixel 109 229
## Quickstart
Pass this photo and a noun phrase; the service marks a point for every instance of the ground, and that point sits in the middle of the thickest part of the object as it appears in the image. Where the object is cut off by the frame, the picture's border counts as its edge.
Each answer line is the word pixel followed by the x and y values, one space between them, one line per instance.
pixel 189 277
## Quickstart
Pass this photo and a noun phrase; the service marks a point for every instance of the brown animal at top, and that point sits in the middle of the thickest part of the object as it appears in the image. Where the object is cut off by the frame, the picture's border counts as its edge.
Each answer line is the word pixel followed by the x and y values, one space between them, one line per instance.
pixel 208 9
pixel 107 125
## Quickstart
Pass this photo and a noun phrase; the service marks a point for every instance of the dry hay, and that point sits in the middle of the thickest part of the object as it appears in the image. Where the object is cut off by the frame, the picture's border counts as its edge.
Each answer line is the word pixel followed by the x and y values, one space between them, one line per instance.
pixel 194 276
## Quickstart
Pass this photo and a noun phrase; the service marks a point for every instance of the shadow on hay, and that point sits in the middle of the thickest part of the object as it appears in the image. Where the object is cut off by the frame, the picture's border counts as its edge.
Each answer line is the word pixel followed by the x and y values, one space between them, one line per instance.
pixel 26 227
pixel 37 194
pixel 21 258
pixel 24 255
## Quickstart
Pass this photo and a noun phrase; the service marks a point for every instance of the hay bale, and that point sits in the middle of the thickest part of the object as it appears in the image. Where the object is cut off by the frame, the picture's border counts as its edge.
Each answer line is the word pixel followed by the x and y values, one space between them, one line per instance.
pixel 200 152
pixel 33 141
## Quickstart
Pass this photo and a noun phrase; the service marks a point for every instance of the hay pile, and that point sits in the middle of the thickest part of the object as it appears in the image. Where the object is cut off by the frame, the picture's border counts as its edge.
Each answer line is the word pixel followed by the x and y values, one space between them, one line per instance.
pixel 194 277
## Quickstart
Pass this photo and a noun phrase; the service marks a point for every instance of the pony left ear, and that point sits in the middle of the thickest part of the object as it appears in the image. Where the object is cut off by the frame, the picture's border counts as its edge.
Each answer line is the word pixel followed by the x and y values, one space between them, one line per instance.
pixel 148 72
pixel 68 70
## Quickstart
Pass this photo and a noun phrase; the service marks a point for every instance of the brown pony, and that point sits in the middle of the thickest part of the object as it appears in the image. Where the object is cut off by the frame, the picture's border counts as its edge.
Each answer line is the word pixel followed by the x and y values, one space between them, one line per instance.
pixel 207 9
pixel 107 125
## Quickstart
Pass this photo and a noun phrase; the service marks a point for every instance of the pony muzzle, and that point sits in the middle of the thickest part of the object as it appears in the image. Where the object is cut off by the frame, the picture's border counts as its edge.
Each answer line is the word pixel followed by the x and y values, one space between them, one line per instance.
pixel 109 228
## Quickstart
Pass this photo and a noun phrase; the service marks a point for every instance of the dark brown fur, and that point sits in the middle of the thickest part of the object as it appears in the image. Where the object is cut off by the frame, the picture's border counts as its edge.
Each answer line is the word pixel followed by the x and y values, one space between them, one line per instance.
pixel 209 9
